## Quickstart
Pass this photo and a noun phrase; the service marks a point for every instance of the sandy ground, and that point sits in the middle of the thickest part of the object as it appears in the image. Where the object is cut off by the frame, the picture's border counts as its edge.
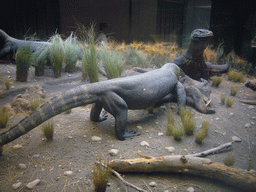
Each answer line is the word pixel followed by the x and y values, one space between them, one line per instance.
pixel 73 150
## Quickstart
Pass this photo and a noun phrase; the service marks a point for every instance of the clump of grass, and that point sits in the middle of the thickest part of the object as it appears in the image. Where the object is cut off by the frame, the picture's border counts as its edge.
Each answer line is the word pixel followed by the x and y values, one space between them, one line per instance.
pixel 135 58
pixel 23 58
pixel 41 58
pixel 34 103
pixel 89 61
pixel 48 130
pixel 57 52
pixel 100 177
pixel 188 121
pixel 236 76
pixel 7 83
pixel 113 62
pixel 202 132
pixel 4 117
pixel 150 110
pixel 170 122
pixel 216 81
pixel 178 132
pixel 222 99
pixel 229 102
pixel 233 91
pixel 230 160
pixel 71 53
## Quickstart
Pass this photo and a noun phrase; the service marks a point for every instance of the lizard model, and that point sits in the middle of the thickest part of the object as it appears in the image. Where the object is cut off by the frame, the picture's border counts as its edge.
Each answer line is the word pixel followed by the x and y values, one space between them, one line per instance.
pixel 116 96
pixel 192 60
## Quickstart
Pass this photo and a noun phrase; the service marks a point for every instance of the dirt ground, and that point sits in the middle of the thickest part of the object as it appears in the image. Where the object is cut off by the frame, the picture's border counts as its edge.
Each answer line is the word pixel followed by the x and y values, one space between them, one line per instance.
pixel 73 150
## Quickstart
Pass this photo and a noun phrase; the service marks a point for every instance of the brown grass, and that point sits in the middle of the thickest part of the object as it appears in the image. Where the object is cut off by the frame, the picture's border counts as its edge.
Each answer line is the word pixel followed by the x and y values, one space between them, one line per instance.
pixel 202 132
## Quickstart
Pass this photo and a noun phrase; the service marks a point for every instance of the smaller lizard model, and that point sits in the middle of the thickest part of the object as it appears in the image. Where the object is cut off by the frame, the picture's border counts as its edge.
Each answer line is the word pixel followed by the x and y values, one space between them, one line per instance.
pixel 116 96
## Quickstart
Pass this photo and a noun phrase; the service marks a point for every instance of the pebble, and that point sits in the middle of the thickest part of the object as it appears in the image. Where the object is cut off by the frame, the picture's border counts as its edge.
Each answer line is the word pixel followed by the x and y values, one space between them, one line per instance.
pixel 231 114
pixel 22 166
pixel 144 143
pixel 36 155
pixel 139 127
pixel 152 184
pixel 16 185
pixel 190 189
pixel 95 138
pixel 68 173
pixel 113 152
pixel 18 146
pixel 236 139
pixel 32 184
pixel 251 107
pixel 217 119
pixel 170 149
pixel 160 134
pixel 247 125
pixel 70 137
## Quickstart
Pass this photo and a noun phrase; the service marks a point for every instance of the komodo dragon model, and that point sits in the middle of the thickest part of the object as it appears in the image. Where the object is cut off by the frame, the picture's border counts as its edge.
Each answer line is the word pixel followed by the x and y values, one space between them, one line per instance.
pixel 115 96
pixel 192 61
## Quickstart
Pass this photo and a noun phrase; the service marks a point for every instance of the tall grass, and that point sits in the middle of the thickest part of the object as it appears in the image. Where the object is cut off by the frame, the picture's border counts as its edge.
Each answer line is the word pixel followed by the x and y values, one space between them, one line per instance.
pixel 23 58
pixel 202 132
pixel 89 61
pixel 188 121
pixel 48 130
pixel 71 53
pixel 41 58
pixel 57 52
pixel 113 62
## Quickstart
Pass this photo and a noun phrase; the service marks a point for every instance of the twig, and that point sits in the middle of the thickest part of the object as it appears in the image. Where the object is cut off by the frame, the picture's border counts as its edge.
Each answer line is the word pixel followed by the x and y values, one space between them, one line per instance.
pixel 120 177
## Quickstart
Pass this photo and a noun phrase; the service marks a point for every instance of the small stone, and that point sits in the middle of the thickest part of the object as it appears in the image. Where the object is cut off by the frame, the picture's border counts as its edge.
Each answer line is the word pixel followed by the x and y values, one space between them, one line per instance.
pixel 216 131
pixel 170 149
pixel 217 118
pixel 139 127
pixel 32 184
pixel 69 75
pixel 190 189
pixel 18 146
pixel 253 117
pixel 247 125
pixel 152 184
pixel 231 114
pixel 95 138
pixel 160 134
pixel 16 185
pixel 70 137
pixel 113 152
pixel 36 155
pixel 251 107
pixel 144 143
pixel 22 166
pixel 67 173
pixel 157 123
pixel 236 139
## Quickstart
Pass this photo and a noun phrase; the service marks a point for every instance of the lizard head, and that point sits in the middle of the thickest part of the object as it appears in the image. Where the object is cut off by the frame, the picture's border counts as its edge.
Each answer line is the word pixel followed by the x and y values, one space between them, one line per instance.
pixel 201 34
pixel 199 40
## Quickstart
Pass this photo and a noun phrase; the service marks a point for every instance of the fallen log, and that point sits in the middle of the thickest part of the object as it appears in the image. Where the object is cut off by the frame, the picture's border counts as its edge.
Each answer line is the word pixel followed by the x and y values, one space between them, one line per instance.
pixel 188 165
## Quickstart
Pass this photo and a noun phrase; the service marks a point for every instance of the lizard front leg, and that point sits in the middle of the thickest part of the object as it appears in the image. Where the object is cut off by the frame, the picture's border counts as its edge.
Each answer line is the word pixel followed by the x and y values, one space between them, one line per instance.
pixel 96 114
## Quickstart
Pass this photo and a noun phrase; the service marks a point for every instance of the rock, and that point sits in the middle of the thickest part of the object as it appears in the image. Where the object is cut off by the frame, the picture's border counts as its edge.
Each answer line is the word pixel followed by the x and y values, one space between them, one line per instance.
pixel 16 185
pixel 190 189
pixel 236 139
pixel 95 138
pixel 160 134
pixel 247 125
pixel 18 146
pixel 67 173
pixel 251 107
pixel 22 166
pixel 113 152
pixel 170 149
pixel 217 118
pixel 70 137
pixel 139 127
pixel 144 143
pixel 32 184
pixel 231 114
pixel 152 184
pixel 36 155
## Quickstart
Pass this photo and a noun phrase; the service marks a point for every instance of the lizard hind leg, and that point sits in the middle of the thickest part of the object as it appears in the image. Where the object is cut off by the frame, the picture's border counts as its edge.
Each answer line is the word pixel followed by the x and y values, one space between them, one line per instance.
pixel 97 115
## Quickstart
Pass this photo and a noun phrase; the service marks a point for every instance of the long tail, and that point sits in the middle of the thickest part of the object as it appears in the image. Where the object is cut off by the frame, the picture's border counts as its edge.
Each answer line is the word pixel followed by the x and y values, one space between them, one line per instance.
pixel 79 96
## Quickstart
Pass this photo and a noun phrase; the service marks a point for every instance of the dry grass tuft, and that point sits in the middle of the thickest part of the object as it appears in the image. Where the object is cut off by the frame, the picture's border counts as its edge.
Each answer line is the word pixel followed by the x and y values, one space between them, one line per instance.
pixel 34 103
pixel 4 117
pixel 188 121
pixel 216 81
pixel 230 160
pixel 233 91
pixel 236 76
pixel 48 130
pixel 222 99
pixel 178 132
pixel 202 132
pixel 170 122
pixel 229 102
pixel 7 83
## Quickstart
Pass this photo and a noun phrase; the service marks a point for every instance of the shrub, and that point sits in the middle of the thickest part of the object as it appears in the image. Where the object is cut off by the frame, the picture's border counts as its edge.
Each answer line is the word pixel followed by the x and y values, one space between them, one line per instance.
pixel 113 62
pixel 4 117
pixel 233 91
pixel 48 130
pixel 34 103
pixel 23 58
pixel 89 61
pixel 170 122
pixel 202 132
pixel 188 121
pixel 71 53
pixel 41 58
pixel 216 81
pixel 178 132
pixel 230 160
pixel 57 52
pixel 229 102
pixel 7 83
pixel 236 76
pixel 222 99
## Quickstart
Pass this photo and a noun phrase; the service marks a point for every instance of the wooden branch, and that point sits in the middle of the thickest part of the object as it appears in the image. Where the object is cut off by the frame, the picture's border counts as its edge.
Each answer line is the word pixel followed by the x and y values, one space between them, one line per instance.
pixel 120 177
pixel 190 164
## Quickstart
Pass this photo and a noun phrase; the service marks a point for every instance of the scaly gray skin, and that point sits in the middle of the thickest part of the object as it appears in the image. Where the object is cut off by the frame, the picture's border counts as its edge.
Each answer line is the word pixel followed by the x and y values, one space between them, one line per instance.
pixel 192 61
pixel 115 96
